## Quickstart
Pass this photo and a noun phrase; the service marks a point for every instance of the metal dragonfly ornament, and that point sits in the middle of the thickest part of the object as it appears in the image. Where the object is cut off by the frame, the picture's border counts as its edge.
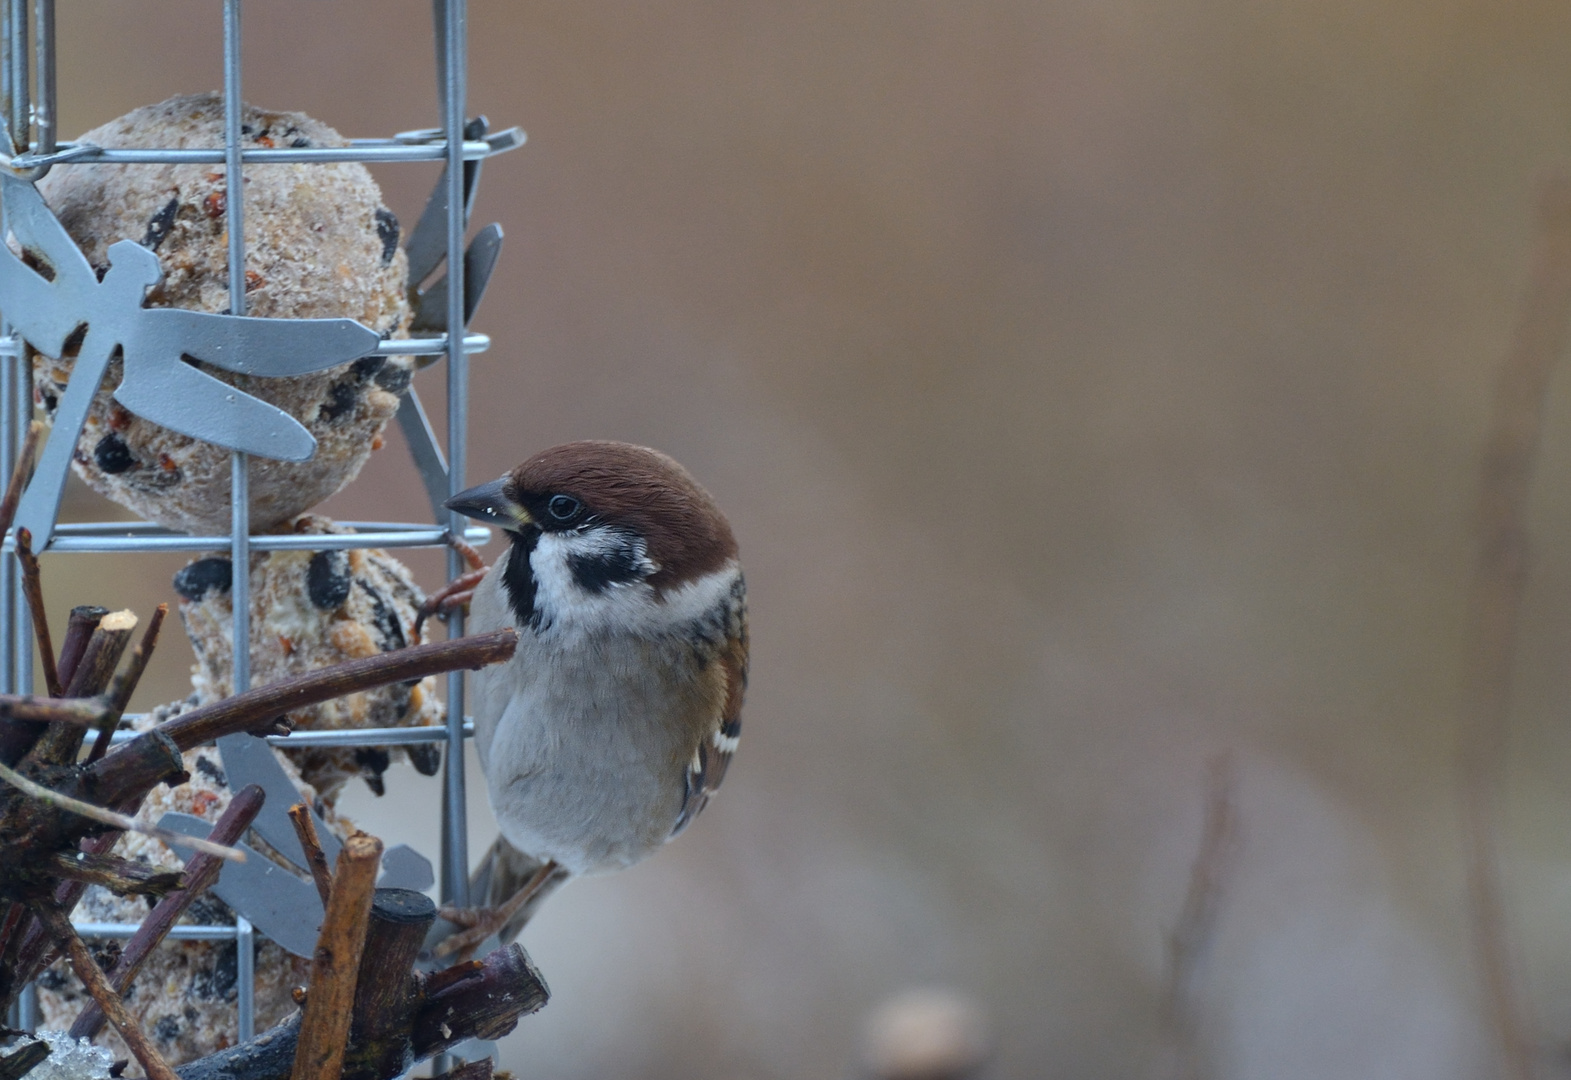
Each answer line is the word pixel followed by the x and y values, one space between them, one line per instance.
pixel 47 308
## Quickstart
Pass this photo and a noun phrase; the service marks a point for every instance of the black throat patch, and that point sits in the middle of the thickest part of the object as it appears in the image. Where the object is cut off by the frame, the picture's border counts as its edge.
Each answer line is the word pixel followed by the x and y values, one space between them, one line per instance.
pixel 518 578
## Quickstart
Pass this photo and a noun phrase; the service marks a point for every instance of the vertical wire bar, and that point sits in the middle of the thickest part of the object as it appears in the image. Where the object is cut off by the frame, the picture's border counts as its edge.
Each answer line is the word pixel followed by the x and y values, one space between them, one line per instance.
pixel 17 45
pixel 20 413
pixel 455 830
pixel 245 975
pixel 45 108
pixel 10 577
pixel 240 466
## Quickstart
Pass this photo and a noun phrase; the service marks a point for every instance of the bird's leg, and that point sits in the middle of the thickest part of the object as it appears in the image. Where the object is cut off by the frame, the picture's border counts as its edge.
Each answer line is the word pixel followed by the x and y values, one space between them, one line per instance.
pixel 456 593
pixel 481 923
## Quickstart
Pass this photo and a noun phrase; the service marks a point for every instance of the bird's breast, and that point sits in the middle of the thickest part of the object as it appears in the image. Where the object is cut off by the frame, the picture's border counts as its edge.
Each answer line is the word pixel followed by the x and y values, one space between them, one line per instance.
pixel 585 735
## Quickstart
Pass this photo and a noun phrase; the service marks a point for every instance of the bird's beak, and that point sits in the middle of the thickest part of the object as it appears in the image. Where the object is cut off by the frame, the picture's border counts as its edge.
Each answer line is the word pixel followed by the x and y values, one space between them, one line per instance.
pixel 492 504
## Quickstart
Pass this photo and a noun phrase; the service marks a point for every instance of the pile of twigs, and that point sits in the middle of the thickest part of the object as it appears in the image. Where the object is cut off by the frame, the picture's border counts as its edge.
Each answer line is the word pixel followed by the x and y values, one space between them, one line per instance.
pixel 367 1015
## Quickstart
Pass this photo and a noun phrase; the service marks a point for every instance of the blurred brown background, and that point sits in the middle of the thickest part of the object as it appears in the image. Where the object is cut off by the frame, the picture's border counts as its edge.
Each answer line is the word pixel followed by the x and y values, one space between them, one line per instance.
pixel 1094 387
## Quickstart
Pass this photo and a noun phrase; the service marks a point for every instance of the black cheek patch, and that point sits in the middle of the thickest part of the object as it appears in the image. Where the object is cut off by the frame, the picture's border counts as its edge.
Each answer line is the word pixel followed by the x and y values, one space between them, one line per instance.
pixel 598 572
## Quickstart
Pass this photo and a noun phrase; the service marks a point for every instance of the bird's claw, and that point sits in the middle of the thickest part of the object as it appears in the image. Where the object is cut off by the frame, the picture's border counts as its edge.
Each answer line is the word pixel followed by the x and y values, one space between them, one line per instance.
pixel 456 594
pixel 481 923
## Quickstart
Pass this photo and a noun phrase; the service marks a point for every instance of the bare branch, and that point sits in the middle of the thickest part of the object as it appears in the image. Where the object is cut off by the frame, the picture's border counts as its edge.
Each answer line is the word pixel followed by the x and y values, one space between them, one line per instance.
pixel 33 590
pixel 200 873
pixel 305 829
pixel 110 817
pixel 92 977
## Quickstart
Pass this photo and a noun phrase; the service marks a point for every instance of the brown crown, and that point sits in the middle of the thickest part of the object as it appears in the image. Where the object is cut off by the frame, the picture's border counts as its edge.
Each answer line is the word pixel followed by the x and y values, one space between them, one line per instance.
pixel 642 490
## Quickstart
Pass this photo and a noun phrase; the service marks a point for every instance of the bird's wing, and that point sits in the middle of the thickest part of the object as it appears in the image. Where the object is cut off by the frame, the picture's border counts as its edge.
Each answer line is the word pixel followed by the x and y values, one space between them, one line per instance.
pixel 718 741
pixel 250 346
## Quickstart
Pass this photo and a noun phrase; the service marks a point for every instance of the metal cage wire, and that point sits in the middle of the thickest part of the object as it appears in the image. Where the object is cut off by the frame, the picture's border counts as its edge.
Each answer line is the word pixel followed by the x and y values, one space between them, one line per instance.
pixel 30 148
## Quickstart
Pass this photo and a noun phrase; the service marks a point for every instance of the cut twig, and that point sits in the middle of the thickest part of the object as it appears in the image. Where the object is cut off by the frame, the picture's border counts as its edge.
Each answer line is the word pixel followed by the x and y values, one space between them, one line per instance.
pixel 83 712
pixel 60 745
pixel 438 981
pixel 387 994
pixel 200 873
pixel 33 590
pixel 126 682
pixel 324 1026
pixel 19 1062
pixel 110 817
pixel 1492 610
pixel 486 1005
pixel 305 829
pixel 265 703
pixel 117 875
pixel 1191 938
pixel 79 627
pixel 96 670
pixel 92 977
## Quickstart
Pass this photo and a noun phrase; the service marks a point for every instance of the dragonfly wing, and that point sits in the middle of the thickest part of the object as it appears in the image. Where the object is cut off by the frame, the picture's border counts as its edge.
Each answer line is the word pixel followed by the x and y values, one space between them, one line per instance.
pixel 479 261
pixel 45 310
pixel 184 398
pixel 274 347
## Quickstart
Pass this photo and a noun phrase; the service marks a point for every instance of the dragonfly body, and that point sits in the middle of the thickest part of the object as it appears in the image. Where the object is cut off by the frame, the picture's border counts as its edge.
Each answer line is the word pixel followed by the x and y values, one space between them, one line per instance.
pixel 157 383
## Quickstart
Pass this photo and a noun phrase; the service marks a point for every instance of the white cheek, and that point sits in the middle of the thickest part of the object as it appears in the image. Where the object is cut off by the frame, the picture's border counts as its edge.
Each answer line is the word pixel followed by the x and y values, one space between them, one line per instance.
pixel 566 608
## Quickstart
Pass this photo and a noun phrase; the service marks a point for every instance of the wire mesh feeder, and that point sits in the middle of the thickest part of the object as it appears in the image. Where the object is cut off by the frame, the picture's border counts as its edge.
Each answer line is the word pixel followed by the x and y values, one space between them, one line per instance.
pixel 157 386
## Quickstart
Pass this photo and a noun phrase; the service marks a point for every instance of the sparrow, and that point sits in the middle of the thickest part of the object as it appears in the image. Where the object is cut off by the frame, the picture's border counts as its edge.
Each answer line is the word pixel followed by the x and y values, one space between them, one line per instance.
pixel 614 722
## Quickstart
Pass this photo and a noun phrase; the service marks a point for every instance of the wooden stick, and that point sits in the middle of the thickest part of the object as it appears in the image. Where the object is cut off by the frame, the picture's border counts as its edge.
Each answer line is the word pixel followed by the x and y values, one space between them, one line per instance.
pixel 115 874
pixel 1494 601
pixel 33 590
pixel 20 472
pixel 126 682
pixel 60 745
pixel 84 619
pixel 387 994
pixel 485 1006
pixel 20 1062
pixel 110 817
pixel 96 669
pixel 24 719
pixel 200 873
pixel 92 977
pixel 305 829
pixel 83 712
pixel 324 1026
pixel 438 981
pixel 17 737
pixel 253 708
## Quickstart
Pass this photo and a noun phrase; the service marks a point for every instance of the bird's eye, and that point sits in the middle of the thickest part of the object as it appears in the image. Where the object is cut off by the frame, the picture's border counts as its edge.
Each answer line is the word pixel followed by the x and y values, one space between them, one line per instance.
pixel 564 507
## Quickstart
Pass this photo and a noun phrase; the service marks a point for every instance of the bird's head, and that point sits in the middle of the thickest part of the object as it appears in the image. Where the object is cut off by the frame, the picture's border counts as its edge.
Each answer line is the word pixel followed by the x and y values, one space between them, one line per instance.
pixel 590 517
